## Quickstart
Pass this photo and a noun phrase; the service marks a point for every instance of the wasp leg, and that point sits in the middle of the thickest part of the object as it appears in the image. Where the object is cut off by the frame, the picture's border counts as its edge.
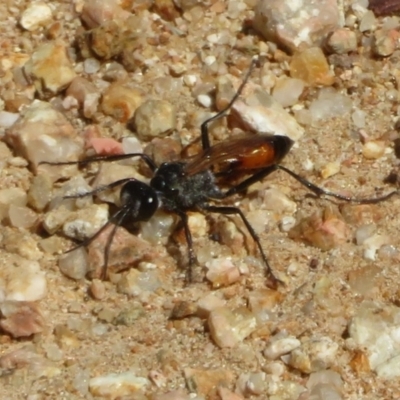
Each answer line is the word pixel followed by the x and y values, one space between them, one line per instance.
pixel 205 137
pixel 115 219
pixel 272 280
pixel 110 238
pixel 323 192
pixel 189 241
pixel 256 177
pixel 309 185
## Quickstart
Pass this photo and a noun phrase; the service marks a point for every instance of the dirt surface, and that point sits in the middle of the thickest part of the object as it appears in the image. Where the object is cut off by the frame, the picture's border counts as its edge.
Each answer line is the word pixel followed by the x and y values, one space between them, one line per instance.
pixel 83 337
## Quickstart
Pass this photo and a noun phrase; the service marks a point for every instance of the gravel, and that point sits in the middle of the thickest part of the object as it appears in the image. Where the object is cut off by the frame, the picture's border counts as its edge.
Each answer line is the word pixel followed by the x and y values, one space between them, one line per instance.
pixel 102 77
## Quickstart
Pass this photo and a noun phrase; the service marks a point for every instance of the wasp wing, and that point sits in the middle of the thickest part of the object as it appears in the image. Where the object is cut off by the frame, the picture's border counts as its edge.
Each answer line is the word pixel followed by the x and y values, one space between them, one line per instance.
pixel 240 155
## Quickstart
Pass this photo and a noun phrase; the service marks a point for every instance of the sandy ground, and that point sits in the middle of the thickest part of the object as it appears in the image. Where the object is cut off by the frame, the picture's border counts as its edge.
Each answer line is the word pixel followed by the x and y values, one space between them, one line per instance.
pixel 83 337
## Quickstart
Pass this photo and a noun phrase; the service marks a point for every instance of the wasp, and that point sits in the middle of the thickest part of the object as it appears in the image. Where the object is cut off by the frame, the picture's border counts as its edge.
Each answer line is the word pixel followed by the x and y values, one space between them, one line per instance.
pixel 196 183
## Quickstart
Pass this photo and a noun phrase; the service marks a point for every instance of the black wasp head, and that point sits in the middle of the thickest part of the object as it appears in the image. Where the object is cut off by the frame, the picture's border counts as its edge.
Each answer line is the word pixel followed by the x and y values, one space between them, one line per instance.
pixel 141 200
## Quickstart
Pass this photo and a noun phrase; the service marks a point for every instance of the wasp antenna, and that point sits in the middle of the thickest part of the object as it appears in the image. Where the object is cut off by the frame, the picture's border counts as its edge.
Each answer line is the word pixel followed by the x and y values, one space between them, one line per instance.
pixel 100 189
pixel 116 157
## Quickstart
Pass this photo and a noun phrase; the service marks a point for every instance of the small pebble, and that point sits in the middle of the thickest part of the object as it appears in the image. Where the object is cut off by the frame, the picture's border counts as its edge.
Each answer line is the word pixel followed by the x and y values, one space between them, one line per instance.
pixel 37 135
pixel 74 264
pixel 134 282
pixel 260 112
pixel 115 71
pixel 276 368
pixel 330 169
pixel 373 244
pixel 154 118
pixel 21 357
pixel 13 196
pixel 21 279
pixel 256 384
pixel 20 318
pixel 205 100
pixel 373 149
pixel 287 91
pixel 121 101
pixel 55 219
pixel 177 69
pixel 65 337
pixel 311 66
pixel 190 80
pixel 226 394
pixel 158 378
pixel 166 9
pixel 7 119
pixel 297 25
pixel 327 377
pixel 179 394
pixel 22 217
pixel 358 118
pixel 159 228
pixel 20 242
pixel 329 104
pixel 86 94
pixel 91 65
pixel 53 352
pixel 368 22
pixel 314 355
pixel 36 15
pixel 105 146
pixel 385 43
pixel 325 385
pixel 50 68
pixel 129 317
pixel 279 346
pixel 85 223
pixel 342 41
pixel 205 381
pixel 131 145
pixel 183 309
pixel 18 162
pixel 325 231
pixel 262 302
pixel 81 381
pixel 222 272
pixel 97 289
pixel 96 12
pixel 109 173
pixel 278 202
pixel 287 223
pixel 106 315
pixel 164 150
pixel 362 280
pixel 323 296
pixel 364 232
pixel 207 304
pixel 114 386
pixel 51 245
pixel 229 328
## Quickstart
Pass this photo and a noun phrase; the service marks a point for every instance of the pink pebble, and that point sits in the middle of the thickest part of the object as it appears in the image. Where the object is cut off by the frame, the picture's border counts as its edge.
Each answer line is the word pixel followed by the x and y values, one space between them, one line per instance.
pixel 105 146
